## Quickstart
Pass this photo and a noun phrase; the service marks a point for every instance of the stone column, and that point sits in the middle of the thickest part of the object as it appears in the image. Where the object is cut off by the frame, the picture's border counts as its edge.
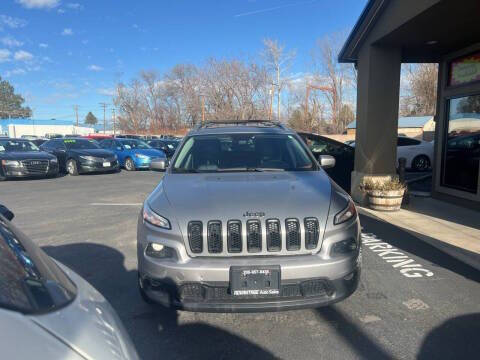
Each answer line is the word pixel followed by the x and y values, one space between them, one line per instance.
pixel 378 91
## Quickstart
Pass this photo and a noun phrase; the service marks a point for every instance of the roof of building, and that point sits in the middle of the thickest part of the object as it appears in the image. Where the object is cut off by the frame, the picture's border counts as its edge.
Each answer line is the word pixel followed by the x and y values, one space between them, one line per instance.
pixel 404 122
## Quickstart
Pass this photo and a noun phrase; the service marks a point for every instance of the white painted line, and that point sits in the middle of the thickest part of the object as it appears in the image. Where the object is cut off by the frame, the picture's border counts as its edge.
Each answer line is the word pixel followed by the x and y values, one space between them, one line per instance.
pixel 407 267
pixel 116 204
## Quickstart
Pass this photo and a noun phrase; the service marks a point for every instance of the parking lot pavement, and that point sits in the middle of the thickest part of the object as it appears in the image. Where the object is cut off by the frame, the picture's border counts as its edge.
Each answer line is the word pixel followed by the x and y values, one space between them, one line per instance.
pixel 413 300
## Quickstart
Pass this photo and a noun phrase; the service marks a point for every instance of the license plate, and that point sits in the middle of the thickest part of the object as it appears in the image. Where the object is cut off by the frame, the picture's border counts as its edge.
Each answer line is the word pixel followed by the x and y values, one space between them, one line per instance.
pixel 106 164
pixel 255 280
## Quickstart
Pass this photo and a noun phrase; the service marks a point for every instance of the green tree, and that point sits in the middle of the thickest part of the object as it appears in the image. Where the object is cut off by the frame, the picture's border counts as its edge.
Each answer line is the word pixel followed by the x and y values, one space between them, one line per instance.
pixel 90 119
pixel 11 103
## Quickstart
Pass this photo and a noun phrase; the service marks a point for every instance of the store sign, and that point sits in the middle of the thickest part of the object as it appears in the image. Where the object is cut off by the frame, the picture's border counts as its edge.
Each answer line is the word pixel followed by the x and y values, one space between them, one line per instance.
pixel 465 70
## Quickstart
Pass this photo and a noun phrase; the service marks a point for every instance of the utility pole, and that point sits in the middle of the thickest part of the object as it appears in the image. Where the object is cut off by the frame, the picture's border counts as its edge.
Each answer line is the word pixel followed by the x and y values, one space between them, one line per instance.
pixel 104 105
pixel 272 92
pixel 75 107
pixel 113 118
pixel 278 93
pixel 203 109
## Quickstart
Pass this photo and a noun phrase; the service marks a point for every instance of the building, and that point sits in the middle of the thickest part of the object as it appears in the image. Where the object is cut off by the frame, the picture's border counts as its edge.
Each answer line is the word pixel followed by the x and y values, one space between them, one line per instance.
pixel 37 127
pixel 422 127
pixel 391 32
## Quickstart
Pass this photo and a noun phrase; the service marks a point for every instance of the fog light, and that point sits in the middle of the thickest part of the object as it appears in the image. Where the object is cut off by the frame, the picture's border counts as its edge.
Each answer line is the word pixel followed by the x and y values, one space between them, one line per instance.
pixel 344 247
pixel 159 251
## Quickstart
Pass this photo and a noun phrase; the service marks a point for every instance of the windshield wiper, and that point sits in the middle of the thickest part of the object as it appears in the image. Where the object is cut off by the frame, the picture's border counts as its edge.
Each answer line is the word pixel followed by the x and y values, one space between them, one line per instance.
pixel 249 169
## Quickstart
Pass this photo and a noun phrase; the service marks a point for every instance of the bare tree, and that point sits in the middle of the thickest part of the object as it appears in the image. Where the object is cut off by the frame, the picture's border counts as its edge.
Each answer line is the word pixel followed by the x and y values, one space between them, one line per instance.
pixel 419 96
pixel 338 80
pixel 278 61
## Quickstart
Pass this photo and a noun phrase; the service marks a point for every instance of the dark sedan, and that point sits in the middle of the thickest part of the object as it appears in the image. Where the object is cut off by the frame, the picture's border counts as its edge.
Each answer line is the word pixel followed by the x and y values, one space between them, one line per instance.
pixel 344 157
pixel 167 146
pixel 76 156
pixel 22 158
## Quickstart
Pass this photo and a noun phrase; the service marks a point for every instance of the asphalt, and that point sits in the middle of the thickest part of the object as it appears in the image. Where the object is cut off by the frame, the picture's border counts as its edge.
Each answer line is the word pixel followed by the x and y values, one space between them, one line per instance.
pixel 88 222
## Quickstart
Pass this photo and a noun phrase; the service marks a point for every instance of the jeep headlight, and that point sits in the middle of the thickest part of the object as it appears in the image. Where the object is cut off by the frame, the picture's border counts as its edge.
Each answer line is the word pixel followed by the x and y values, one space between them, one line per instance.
pixel 346 214
pixel 54 160
pixel 13 163
pixel 155 219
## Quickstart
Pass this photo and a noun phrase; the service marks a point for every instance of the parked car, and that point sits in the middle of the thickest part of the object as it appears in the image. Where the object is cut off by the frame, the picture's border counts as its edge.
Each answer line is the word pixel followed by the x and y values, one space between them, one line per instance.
pixel 22 158
pixel 39 141
pixel 47 311
pixel 349 142
pixel 344 157
pixel 132 154
pixel 167 146
pixel 78 155
pixel 53 136
pixel 98 137
pixel 245 219
pixel 418 153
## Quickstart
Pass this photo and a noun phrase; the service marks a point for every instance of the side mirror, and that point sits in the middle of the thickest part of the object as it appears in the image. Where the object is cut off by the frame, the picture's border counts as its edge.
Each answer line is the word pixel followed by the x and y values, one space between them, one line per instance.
pixel 7 214
pixel 159 164
pixel 326 161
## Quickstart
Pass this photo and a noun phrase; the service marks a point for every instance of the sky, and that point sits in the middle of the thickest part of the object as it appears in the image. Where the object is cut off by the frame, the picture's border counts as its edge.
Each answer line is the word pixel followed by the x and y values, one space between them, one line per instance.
pixel 61 53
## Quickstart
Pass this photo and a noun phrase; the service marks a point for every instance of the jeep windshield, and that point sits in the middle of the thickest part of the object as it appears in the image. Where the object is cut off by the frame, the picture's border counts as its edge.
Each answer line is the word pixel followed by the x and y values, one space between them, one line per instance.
pixel 242 153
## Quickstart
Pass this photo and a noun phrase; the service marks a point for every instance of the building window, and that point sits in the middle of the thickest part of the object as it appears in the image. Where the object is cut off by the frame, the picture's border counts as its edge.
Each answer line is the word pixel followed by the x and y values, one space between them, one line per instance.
pixel 465 70
pixel 462 149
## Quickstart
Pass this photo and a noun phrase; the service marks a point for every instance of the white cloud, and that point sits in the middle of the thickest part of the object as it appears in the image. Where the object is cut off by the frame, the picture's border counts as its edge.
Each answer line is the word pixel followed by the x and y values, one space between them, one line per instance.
pixel 15 72
pixel 61 11
pixel 75 6
pixel 67 32
pixel 85 42
pixel 22 55
pixel 39 4
pixel 106 91
pixel 11 22
pixel 43 45
pixel 4 55
pixel 95 68
pixel 10 42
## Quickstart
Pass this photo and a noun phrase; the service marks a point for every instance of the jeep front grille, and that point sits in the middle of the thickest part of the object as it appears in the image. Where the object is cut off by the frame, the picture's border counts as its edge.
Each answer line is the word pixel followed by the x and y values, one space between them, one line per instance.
pixel 274 235
pixel 234 236
pixel 292 227
pixel 254 237
pixel 214 237
pixel 311 233
pixel 195 236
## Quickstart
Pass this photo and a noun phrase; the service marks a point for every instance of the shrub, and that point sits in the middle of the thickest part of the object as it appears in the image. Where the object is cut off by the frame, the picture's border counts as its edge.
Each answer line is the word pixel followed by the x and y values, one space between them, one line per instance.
pixel 393 184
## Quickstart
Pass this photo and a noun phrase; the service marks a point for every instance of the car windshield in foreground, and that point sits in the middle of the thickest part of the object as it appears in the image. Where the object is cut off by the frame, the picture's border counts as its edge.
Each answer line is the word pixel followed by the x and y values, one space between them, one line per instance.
pixel 30 281
pixel 17 146
pixel 242 153
pixel 135 144
pixel 80 144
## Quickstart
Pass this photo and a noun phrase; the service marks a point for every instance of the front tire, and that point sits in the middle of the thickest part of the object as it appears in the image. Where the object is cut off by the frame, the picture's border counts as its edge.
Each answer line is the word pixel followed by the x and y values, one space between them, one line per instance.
pixel 421 163
pixel 129 165
pixel 72 168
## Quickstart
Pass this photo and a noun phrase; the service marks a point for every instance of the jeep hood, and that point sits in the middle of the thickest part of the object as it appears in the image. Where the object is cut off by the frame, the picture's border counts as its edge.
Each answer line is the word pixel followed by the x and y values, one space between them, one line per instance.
pixel 231 196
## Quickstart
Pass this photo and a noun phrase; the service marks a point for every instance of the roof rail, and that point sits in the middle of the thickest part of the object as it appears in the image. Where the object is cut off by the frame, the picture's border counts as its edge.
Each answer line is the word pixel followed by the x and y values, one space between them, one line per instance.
pixel 218 123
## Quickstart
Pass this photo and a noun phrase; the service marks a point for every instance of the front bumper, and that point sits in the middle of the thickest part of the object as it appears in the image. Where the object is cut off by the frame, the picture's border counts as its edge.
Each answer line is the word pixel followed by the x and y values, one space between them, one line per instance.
pixel 141 163
pixel 91 166
pixel 216 297
pixel 23 172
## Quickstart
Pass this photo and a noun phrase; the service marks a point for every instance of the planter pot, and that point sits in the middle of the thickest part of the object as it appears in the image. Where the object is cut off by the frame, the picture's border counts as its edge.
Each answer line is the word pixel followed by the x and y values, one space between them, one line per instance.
pixel 385 200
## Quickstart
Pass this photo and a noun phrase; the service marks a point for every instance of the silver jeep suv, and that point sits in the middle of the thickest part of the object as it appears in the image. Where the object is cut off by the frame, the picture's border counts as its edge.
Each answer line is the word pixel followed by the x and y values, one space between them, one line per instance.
pixel 245 219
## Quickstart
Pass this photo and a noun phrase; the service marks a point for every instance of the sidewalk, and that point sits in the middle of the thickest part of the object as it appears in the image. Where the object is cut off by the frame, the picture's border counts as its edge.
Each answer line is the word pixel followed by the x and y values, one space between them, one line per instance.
pixel 450 228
